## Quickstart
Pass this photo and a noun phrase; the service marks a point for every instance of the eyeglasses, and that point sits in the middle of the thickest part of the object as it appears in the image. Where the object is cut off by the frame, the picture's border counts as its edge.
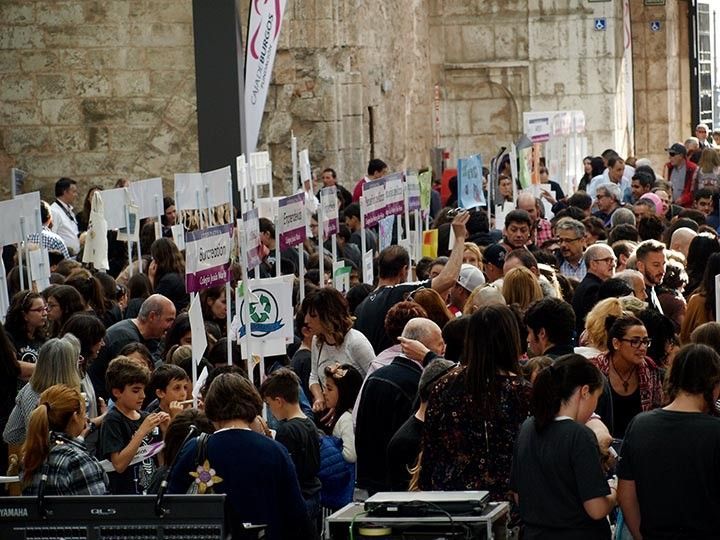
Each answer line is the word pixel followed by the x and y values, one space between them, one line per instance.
pixel 636 343
pixel 568 240
pixel 607 260
pixel 39 309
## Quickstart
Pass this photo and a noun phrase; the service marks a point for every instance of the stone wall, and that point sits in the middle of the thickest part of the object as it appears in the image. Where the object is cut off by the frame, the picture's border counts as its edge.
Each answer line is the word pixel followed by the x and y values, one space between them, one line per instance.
pixel 337 61
pixel 499 58
pixel 96 90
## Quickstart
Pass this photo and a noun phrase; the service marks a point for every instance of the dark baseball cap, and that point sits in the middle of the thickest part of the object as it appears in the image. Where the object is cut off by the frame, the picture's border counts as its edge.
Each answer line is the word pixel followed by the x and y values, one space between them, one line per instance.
pixel 495 255
pixel 677 148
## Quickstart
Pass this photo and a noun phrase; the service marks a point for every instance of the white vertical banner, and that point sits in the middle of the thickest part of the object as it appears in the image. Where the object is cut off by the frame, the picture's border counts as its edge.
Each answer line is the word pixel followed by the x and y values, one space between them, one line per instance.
pixel 263 33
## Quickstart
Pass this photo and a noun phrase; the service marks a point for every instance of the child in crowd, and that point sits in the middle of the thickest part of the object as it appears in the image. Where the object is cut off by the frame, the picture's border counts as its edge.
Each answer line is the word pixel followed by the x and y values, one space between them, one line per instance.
pixel 125 428
pixel 281 392
pixel 168 388
pixel 140 353
pixel 342 385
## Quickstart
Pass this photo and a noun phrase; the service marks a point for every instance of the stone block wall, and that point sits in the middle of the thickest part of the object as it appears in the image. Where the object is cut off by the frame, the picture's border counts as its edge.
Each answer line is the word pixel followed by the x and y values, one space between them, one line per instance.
pixel 96 91
pixel 338 63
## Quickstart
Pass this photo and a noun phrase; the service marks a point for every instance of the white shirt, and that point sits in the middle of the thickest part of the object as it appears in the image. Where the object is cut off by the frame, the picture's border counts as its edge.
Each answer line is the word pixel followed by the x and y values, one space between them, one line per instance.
pixel 604 178
pixel 65 225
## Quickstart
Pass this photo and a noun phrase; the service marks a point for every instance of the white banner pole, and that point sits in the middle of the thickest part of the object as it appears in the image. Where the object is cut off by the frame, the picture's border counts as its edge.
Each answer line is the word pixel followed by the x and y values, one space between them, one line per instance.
pixel 129 242
pixel 321 247
pixel 20 255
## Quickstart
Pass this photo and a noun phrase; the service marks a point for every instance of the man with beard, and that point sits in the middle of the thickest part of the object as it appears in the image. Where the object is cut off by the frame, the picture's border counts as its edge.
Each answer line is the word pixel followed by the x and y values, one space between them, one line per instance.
pixel 650 262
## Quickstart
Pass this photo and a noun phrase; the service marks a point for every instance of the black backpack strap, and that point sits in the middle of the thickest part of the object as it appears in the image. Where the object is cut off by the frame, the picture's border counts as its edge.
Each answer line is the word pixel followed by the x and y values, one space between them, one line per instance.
pixel 201 452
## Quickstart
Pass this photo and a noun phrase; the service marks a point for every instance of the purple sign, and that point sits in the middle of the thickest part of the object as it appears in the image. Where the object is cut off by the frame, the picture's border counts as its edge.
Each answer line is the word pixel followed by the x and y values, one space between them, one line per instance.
pixel 394 194
pixel 374 197
pixel 413 191
pixel 207 257
pixel 291 222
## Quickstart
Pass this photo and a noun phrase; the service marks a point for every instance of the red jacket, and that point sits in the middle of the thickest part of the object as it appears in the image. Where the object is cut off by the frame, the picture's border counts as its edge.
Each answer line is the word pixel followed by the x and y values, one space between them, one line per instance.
pixel 686 199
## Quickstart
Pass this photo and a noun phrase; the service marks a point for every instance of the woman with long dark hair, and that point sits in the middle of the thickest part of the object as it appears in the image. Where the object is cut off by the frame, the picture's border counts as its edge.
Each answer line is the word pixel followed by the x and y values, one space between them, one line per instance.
pixel 25 324
pixel 63 301
pixel 475 411
pixel 556 471
pixel 670 457
pixel 701 305
pixel 634 380
pixel 10 374
pixel 699 251
pixel 167 272
pixel 588 173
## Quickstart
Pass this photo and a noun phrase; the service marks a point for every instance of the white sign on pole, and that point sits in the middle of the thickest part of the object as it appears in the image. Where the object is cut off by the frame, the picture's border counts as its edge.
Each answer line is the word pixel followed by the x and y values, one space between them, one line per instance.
pixel 368 276
pixel 39 264
pixel 329 203
pixel 188 191
pixel 146 194
pixel 215 185
pixel 15 211
pixel 114 202
pixel 413 191
pixel 251 231
pixel 341 276
pixel 178 235
pixel 271 316
pixel 197 327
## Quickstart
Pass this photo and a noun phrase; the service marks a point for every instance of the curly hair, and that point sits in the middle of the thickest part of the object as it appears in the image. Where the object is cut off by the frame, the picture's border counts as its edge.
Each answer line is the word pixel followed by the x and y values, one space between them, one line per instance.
pixel 330 306
pixel 399 315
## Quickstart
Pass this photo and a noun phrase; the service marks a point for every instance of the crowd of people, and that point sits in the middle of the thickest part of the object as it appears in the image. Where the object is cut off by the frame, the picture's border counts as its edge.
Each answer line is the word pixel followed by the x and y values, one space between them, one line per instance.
pixel 568 365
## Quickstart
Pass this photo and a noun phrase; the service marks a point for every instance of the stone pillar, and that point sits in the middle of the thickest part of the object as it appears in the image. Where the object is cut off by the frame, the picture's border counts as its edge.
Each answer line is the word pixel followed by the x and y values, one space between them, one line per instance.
pixel 661 77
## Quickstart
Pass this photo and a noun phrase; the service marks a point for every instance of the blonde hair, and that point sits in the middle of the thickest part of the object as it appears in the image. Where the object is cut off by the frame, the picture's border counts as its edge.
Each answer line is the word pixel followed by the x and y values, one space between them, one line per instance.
pixel 709 160
pixel 595 321
pixel 483 295
pixel 521 287
pixel 475 250
pixel 633 304
pixel 55 409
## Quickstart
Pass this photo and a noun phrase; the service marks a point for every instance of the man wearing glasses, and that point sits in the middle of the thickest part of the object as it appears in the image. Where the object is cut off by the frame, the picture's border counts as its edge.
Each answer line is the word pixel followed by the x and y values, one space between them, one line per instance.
pixel 681 172
pixel 571 237
pixel 609 197
pixel 600 262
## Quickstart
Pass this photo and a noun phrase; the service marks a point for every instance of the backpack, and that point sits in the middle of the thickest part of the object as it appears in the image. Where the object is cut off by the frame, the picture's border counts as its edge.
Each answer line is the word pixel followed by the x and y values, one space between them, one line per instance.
pixel 336 474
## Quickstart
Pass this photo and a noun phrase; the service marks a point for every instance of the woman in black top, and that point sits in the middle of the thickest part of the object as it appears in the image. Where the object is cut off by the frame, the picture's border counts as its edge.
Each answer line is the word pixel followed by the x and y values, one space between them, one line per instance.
pixel 556 473
pixel 670 457
pixel 25 323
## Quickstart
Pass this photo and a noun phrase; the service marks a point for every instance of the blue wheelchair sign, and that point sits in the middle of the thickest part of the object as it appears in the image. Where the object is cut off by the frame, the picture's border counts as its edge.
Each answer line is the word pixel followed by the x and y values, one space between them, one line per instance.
pixel 655 26
pixel 600 24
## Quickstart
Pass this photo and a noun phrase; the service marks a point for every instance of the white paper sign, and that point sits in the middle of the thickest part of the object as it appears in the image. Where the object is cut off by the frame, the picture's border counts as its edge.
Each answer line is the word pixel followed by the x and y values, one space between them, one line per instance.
pixel 341 276
pixel 40 267
pixel 189 191
pixel 114 201
pixel 197 327
pixel 144 452
pixel 216 185
pixel 23 206
pixel 200 383
pixel 368 267
pixel 148 196
pixel 305 172
pixel 178 235
pixel 271 316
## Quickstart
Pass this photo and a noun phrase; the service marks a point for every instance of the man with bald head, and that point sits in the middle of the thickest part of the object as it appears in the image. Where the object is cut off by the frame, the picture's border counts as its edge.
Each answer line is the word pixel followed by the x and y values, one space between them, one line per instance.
pixel 387 402
pixel 680 240
pixel 600 262
pixel 156 316
pixel 541 229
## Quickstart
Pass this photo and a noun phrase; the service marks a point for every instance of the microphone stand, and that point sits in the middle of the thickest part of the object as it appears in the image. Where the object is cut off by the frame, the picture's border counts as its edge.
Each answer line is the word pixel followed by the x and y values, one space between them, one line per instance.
pixel 41 496
pixel 159 509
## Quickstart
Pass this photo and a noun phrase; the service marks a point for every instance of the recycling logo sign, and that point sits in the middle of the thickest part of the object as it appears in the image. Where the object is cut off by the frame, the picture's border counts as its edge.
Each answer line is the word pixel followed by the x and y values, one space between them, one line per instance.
pixel 264 315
